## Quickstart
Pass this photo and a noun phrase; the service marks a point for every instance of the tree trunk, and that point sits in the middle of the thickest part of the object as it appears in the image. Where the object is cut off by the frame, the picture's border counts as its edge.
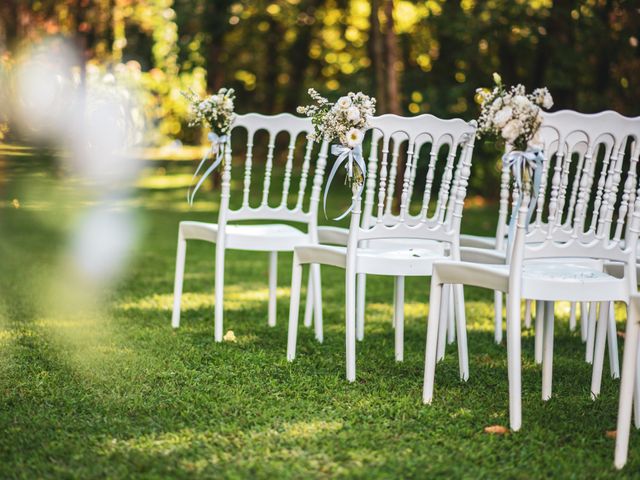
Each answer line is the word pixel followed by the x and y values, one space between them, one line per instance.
pixel 216 23
pixel 299 58
pixel 392 88
pixel 391 44
pixel 376 52
pixel 9 24
pixel 602 72
pixel 272 67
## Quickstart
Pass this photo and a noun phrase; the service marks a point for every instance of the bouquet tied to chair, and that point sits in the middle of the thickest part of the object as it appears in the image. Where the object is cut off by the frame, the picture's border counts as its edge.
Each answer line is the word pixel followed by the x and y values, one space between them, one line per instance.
pixel 345 121
pixel 216 112
pixel 512 116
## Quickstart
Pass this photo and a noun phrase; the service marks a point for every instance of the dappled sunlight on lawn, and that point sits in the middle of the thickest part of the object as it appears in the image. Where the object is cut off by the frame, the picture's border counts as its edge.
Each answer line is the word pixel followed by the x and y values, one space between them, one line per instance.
pixel 217 451
pixel 237 297
pixel 310 428
pixel 160 182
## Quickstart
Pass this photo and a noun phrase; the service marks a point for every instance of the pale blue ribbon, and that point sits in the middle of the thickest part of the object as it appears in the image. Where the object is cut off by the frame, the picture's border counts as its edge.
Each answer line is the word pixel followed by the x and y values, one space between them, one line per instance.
pixel 217 151
pixel 351 156
pixel 532 159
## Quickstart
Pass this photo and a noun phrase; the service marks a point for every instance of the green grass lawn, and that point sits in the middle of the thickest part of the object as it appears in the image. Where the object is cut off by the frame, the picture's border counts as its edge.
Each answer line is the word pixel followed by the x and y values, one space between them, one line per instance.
pixel 111 391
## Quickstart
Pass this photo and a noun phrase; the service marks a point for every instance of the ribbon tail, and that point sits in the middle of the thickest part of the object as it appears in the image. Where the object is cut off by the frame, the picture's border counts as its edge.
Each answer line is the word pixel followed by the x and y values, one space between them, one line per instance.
pixel 350 209
pixel 360 162
pixel 537 180
pixel 218 158
pixel 512 224
pixel 332 174
pixel 195 175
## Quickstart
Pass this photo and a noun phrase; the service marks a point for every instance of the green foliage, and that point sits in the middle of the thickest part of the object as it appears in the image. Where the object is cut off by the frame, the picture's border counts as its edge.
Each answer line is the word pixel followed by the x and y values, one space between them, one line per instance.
pixel 271 51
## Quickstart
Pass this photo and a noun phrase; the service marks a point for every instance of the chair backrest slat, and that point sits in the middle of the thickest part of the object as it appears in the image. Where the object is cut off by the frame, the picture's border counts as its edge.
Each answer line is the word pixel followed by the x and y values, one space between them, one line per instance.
pixel 403 137
pixel 580 179
pixel 303 176
pixel 276 128
pixel 593 147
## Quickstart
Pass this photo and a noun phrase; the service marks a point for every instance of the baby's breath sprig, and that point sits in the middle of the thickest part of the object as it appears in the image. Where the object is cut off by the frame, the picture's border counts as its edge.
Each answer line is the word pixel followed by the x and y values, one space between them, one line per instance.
pixel 215 111
pixel 510 114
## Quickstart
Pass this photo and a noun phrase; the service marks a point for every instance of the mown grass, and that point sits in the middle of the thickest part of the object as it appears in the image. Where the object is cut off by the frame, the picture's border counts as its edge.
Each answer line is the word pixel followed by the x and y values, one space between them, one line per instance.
pixel 114 392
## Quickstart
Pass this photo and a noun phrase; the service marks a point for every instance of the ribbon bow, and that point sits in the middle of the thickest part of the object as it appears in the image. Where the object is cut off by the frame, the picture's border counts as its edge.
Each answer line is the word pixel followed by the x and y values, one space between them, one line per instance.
pixel 217 151
pixel 531 159
pixel 350 155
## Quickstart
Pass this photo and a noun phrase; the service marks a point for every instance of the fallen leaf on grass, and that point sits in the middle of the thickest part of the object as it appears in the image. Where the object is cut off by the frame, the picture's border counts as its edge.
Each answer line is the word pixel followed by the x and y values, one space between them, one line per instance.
pixel 496 430
pixel 229 336
pixel 611 434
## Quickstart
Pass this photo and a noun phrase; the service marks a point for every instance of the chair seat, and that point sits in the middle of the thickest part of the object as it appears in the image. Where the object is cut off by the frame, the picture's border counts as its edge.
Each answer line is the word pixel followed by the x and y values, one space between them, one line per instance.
pixel 376 261
pixel 541 280
pixel 562 271
pixel 340 236
pixel 276 237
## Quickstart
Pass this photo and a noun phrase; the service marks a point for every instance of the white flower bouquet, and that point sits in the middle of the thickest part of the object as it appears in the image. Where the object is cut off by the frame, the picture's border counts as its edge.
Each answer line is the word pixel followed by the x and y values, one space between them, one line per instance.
pixel 216 112
pixel 346 120
pixel 512 115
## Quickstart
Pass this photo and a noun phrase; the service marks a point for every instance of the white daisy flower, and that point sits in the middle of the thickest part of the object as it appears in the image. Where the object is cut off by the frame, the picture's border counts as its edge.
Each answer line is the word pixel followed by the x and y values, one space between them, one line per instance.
pixel 354 137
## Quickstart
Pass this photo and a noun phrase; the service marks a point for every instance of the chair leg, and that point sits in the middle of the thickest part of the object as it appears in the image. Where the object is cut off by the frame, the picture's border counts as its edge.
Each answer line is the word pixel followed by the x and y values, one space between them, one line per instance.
pixel 451 317
pixel 636 393
pixel 598 355
pixel 309 303
pixel 393 317
pixel 361 286
pixel 294 306
pixel 461 324
pixel 572 316
pixel 219 291
pixel 591 332
pixel 539 330
pixel 584 322
pixel 179 278
pixel 547 361
pixel 442 329
pixel 314 271
pixel 527 314
pixel 399 316
pixel 431 351
pixel 612 344
pixel 273 287
pixel 629 379
pixel 497 317
pixel 514 360
pixel 350 324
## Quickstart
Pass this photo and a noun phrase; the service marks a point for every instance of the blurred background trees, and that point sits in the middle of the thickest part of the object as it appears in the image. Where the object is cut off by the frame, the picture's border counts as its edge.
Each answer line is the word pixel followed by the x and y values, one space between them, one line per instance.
pixel 415 57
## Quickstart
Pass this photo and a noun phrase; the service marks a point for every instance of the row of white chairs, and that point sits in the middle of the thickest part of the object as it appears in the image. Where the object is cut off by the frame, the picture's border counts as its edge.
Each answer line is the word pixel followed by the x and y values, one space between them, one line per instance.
pixel 581 239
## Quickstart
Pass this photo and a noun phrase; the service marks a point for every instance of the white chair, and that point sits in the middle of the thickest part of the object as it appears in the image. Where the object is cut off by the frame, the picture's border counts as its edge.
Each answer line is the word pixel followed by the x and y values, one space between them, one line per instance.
pixel 333 235
pixel 554 126
pixel 437 220
pixel 629 385
pixel 547 279
pixel 275 206
pixel 558 125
